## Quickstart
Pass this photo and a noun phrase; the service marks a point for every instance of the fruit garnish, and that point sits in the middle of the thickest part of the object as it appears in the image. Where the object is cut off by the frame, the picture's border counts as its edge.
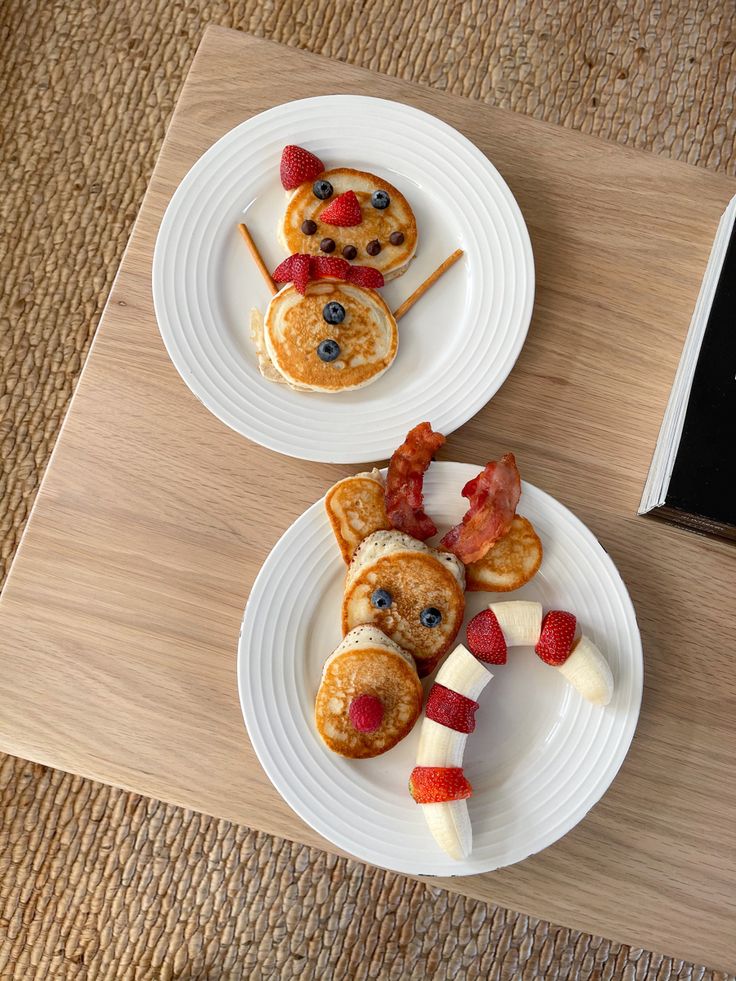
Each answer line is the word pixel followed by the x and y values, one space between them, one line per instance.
pixel 381 599
pixel 343 212
pixel 485 638
pixel 333 313
pixel 450 708
pixel 322 190
pixel 328 350
pixel 430 617
pixel 557 636
pixel 297 166
pixel 366 276
pixel 366 713
pixel 380 200
pixel 296 269
pixel 329 265
pixel 438 784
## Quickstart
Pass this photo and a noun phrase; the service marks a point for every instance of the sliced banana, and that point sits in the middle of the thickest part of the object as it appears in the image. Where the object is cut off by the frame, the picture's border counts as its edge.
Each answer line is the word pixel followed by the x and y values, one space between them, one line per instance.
pixel 520 621
pixel 587 670
pixel 449 822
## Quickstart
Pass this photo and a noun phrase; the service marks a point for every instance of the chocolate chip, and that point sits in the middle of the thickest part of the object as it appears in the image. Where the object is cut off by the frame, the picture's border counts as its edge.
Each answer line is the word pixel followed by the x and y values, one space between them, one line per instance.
pixel 374 247
pixel 309 227
pixel 327 245
pixel 396 238
pixel 350 252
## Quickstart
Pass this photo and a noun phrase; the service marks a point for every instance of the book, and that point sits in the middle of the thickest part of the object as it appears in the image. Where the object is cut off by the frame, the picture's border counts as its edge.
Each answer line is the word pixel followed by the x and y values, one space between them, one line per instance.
pixel 692 477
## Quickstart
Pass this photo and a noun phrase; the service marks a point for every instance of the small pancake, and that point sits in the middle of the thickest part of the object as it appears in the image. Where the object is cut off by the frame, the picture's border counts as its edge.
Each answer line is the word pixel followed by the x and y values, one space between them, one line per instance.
pixel 512 562
pixel 417 577
pixel 356 507
pixel 294 327
pixel 377 224
pixel 367 663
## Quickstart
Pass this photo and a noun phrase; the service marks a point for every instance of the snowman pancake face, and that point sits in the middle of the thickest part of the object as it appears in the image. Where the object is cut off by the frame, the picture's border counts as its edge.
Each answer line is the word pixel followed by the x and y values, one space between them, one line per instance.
pixel 382 234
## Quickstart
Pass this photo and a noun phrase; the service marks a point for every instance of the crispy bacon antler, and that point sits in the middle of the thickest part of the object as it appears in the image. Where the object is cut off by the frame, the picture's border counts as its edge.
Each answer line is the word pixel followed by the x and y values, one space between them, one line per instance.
pixel 404 496
pixel 493 497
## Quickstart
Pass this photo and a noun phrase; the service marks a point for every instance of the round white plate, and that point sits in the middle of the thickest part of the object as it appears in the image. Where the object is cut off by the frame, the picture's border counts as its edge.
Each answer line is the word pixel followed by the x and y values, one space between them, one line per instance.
pixel 456 346
pixel 540 756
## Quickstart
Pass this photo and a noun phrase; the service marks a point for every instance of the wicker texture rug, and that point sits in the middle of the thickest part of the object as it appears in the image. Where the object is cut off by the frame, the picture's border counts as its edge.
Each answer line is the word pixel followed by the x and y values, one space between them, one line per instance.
pixel 99 884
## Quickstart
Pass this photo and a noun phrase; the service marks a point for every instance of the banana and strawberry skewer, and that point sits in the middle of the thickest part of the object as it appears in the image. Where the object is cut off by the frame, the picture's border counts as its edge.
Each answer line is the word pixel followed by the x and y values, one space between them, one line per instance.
pixel 437 782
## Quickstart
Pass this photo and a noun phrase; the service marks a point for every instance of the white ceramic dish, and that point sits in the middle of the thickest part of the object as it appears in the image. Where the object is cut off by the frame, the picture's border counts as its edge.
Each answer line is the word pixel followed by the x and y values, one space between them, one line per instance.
pixel 456 346
pixel 540 757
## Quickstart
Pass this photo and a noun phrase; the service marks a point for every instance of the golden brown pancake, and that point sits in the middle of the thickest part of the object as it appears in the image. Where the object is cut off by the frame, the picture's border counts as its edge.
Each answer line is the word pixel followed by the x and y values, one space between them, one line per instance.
pixel 512 562
pixel 417 577
pixel 367 663
pixel 294 327
pixel 356 507
pixel 377 224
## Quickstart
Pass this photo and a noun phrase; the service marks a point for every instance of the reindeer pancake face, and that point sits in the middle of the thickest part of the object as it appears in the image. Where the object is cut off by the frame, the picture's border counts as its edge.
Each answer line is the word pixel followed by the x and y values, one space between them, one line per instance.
pixel 385 236
pixel 335 337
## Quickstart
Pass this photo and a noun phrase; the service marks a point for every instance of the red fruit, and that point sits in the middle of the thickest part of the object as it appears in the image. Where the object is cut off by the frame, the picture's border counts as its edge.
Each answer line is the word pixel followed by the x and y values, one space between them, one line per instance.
pixel 485 638
pixel 366 276
pixel 344 211
pixel 558 633
pixel 296 269
pixel 366 713
pixel 451 709
pixel 298 165
pixel 436 784
pixel 329 265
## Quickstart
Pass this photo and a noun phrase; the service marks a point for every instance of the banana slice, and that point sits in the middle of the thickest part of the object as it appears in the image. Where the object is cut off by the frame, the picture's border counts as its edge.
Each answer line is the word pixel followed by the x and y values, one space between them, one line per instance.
pixel 449 821
pixel 587 670
pixel 520 621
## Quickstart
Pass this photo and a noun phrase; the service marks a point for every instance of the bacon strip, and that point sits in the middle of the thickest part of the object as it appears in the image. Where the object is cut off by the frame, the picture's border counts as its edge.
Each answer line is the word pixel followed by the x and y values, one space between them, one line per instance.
pixel 493 497
pixel 404 497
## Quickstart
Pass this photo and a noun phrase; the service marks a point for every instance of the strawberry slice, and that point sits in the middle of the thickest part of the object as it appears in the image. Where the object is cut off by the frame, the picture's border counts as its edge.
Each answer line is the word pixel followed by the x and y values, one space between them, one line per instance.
pixel 366 276
pixel 343 212
pixel 450 708
pixel 329 265
pixel 485 638
pixel 557 636
pixel 296 269
pixel 437 784
pixel 297 166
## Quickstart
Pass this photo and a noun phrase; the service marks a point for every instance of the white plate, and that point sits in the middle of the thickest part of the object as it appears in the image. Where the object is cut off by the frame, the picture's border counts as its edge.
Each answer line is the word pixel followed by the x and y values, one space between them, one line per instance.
pixel 456 346
pixel 540 756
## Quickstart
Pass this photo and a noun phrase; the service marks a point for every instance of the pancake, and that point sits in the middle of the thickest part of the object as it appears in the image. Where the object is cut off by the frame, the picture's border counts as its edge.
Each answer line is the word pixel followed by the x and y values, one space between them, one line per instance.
pixel 294 327
pixel 377 224
pixel 512 562
pixel 417 577
pixel 356 507
pixel 367 663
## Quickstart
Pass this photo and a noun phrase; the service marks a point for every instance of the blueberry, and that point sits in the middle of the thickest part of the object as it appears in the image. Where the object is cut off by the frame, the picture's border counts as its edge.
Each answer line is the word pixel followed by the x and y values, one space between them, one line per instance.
pixel 334 313
pixel 430 617
pixel 322 190
pixel 381 599
pixel 380 200
pixel 328 350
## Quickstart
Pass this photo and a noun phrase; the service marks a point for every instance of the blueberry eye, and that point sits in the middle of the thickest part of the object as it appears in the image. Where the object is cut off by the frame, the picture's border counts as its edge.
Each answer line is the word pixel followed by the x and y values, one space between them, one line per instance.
pixel 322 190
pixel 328 350
pixel 381 599
pixel 334 312
pixel 430 617
pixel 380 200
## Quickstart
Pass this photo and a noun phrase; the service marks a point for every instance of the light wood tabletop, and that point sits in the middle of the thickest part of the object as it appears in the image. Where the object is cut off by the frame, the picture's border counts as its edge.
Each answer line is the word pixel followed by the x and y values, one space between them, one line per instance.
pixel 120 618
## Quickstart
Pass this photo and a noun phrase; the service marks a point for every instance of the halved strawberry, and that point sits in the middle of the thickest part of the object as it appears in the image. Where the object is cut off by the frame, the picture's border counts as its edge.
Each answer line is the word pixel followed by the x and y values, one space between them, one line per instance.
pixel 344 211
pixel 437 784
pixel 450 708
pixel 298 165
pixel 485 638
pixel 329 265
pixel 296 269
pixel 557 636
pixel 366 276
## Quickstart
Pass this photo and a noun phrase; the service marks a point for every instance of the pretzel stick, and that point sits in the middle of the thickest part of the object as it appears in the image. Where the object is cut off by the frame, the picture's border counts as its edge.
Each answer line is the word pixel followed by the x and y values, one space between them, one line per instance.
pixel 423 287
pixel 253 249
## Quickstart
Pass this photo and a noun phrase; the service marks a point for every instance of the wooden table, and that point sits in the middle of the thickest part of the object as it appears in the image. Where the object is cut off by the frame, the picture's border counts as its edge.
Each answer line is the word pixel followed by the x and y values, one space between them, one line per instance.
pixel 120 617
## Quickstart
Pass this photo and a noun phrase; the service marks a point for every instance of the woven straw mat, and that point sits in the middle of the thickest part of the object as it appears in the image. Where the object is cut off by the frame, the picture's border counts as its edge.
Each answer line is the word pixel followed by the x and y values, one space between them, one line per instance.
pixel 98 884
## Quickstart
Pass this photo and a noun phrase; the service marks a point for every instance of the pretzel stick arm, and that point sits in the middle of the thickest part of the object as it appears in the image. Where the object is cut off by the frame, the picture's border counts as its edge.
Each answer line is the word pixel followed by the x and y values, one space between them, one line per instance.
pixel 423 287
pixel 253 249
